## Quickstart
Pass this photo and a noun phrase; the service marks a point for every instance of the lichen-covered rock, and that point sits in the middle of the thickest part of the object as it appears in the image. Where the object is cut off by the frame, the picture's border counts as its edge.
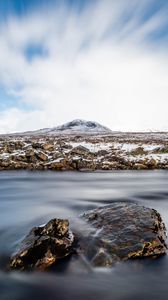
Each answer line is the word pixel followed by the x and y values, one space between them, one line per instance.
pixel 122 231
pixel 43 246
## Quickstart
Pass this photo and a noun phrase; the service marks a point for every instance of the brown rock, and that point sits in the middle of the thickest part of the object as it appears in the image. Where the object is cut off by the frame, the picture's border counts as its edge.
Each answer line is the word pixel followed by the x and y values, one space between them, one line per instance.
pixel 44 246
pixel 79 150
pixel 121 231
pixel 29 153
pixel 140 166
pixel 41 155
pixel 48 147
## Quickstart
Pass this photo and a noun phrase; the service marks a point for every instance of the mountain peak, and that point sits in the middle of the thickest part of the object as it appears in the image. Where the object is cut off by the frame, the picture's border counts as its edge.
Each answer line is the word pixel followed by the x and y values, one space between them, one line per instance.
pixel 79 125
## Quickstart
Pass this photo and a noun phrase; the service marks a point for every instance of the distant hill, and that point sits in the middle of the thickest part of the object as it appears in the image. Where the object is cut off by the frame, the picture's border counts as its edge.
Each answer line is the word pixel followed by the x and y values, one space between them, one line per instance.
pixel 75 126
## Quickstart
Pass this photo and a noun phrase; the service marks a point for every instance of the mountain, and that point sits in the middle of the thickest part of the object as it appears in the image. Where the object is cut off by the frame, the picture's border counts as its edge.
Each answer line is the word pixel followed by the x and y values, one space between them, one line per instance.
pixel 75 126
pixel 82 126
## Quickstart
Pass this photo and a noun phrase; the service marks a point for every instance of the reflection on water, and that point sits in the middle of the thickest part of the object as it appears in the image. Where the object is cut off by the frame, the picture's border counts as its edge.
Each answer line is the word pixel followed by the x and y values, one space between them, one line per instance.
pixel 28 199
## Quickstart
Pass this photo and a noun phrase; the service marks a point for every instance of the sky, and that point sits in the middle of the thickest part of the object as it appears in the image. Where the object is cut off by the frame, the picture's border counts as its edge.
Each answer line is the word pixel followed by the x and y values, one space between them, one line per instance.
pixel 99 60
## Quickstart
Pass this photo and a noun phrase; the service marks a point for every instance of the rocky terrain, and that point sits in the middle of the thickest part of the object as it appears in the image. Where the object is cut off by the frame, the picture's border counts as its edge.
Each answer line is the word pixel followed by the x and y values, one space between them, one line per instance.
pixel 83 145
pixel 112 151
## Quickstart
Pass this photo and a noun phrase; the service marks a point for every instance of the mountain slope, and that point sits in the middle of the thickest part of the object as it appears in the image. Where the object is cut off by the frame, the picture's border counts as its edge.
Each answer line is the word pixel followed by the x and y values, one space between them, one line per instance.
pixel 82 126
pixel 75 126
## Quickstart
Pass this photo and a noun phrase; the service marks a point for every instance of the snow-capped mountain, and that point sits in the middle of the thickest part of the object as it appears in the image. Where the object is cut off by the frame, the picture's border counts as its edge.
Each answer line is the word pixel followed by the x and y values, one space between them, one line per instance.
pixel 82 126
pixel 75 126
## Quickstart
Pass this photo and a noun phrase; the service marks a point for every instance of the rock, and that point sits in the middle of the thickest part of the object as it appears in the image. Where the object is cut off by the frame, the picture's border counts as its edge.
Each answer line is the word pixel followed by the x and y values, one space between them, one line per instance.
pixel 41 155
pixel 19 165
pixel 152 163
pixel 59 164
pixel 122 231
pixel 29 153
pixel 79 150
pixel 138 151
pixel 6 163
pixel 36 145
pixel 44 246
pixel 109 165
pixel 140 166
pixel 48 147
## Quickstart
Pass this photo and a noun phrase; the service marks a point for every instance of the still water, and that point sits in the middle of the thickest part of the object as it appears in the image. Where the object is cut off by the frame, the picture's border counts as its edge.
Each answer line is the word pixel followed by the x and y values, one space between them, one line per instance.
pixel 32 198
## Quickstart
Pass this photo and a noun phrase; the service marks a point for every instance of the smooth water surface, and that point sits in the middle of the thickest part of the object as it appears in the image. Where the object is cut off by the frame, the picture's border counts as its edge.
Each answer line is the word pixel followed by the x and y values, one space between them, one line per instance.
pixel 29 199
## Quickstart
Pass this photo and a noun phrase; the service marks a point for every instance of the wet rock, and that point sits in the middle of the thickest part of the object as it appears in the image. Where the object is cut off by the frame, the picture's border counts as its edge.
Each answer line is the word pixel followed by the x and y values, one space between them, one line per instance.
pixel 109 165
pixel 44 246
pixel 122 231
pixel 151 163
pixel 59 164
pixel 140 166
pixel 5 163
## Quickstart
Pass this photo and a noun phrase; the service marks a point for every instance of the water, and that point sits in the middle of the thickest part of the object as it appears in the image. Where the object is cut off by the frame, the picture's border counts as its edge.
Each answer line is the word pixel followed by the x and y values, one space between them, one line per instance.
pixel 32 198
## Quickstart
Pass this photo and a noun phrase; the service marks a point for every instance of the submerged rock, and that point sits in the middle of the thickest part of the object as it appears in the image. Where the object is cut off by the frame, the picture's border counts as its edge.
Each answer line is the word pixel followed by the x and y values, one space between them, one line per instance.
pixel 122 231
pixel 43 246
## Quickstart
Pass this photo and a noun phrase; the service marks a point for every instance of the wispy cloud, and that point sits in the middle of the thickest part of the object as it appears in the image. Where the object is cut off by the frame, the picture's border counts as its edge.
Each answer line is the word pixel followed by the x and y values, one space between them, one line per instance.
pixel 106 62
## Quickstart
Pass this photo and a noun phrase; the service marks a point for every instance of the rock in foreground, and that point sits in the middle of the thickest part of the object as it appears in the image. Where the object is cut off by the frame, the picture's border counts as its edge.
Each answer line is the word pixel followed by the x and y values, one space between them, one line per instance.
pixel 109 234
pixel 43 246
pixel 122 231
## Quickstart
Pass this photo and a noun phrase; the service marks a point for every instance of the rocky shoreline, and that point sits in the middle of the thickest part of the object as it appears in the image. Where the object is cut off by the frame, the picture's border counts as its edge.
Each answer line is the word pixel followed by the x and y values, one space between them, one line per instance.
pixel 121 151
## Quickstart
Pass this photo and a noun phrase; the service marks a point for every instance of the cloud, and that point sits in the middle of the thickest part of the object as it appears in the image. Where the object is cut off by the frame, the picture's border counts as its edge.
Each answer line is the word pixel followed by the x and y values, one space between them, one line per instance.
pixel 95 64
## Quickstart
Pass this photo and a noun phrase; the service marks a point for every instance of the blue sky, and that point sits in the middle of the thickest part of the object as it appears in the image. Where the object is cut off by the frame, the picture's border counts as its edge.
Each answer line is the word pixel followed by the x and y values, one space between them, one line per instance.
pixel 89 59
pixel 22 7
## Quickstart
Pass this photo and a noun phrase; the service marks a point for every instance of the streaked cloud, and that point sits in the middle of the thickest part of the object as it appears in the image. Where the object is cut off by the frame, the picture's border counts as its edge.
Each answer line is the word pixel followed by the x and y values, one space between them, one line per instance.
pixel 106 62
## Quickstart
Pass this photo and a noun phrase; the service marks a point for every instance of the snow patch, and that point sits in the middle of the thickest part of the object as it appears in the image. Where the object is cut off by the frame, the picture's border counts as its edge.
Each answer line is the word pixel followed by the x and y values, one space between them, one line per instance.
pixel 91 146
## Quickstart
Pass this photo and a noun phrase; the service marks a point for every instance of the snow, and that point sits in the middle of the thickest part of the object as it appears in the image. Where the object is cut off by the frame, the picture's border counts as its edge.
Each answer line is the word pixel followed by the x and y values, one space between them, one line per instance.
pixel 4 155
pixel 128 147
pixel 151 147
pixel 76 157
pixel 82 126
pixel 162 158
pixel 59 159
pixel 75 126
pixel 91 146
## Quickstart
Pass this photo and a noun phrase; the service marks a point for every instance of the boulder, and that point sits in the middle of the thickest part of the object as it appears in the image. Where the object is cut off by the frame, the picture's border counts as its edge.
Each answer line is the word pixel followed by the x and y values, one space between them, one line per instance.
pixel 122 231
pixel 138 151
pixel 109 234
pixel 140 166
pixel 79 150
pixel 44 246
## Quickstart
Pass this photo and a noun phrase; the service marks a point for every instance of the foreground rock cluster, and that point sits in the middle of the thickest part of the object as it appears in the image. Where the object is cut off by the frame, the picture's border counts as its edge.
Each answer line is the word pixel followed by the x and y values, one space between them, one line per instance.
pixel 85 152
pixel 112 233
